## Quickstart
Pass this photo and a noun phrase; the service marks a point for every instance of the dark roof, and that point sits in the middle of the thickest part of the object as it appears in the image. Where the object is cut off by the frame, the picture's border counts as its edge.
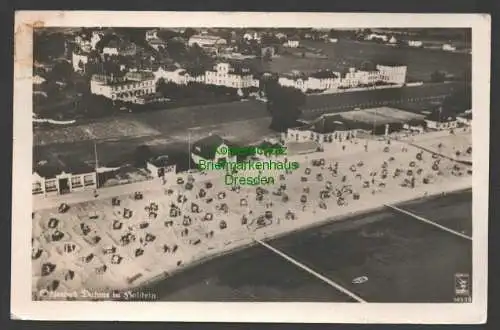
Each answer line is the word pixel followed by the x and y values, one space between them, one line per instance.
pixel 324 74
pixel 161 161
pixel 467 115
pixel 139 76
pixel 391 63
pixel 328 124
pixel 268 144
pixel 207 146
pixel 415 122
pixel 51 168
pixel 440 116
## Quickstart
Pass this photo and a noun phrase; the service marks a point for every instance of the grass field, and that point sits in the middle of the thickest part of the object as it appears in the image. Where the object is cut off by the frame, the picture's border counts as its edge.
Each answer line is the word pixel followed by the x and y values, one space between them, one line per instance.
pixel 346 53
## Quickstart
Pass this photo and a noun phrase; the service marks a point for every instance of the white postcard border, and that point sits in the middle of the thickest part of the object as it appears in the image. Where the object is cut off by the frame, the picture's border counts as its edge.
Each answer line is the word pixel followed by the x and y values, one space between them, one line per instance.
pixel 22 306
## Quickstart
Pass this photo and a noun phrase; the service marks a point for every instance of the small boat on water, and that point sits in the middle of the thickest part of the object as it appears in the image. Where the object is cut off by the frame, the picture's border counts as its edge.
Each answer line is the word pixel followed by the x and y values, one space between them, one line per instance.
pixel 359 280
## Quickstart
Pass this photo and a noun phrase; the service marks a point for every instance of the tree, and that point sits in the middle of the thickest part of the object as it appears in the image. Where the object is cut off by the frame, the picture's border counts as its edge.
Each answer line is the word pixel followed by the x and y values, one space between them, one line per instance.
pixel 188 33
pixel 459 101
pixel 141 155
pixel 62 71
pixel 267 55
pixel 283 103
pixel 167 34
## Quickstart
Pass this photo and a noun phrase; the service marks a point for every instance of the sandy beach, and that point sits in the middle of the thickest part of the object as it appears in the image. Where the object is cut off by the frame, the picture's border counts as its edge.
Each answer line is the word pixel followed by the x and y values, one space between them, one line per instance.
pixel 171 227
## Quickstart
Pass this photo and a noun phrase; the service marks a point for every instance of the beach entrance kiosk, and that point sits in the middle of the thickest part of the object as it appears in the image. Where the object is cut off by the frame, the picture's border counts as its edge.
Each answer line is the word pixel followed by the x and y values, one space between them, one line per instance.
pixel 64 186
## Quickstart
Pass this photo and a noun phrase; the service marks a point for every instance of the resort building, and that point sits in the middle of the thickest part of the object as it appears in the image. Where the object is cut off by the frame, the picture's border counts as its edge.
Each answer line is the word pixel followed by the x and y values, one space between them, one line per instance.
pixel 326 129
pixel 323 80
pixel 415 43
pixel 119 47
pixel 211 148
pixel 57 179
pixel 439 121
pixel 127 88
pixel 223 74
pixel 392 73
pixel 292 43
pixel 205 40
pixel 327 80
pixel 151 34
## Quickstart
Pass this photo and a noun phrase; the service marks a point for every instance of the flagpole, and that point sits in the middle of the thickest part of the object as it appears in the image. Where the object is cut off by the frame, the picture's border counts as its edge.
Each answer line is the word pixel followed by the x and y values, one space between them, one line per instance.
pixel 189 148
pixel 95 155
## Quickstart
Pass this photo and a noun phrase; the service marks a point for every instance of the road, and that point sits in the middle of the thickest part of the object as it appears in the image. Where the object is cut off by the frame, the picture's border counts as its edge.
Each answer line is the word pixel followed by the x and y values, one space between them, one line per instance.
pixel 404 259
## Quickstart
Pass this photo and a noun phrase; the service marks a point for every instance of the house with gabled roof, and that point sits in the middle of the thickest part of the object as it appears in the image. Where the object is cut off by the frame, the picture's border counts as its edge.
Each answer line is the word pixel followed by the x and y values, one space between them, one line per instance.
pixel 162 167
pixel 61 176
pixel 212 148
pixel 439 120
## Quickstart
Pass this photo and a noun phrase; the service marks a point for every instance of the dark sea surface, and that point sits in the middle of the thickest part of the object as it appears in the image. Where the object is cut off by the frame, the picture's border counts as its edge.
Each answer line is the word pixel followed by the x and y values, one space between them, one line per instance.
pixel 404 259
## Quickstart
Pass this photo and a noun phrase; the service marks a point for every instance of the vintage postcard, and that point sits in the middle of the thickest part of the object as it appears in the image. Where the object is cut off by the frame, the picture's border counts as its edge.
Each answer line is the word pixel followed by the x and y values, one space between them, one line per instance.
pixel 251 167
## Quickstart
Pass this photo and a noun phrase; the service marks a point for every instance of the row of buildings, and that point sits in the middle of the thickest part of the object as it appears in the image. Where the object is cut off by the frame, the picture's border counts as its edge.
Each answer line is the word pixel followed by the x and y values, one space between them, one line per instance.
pixel 328 80
pixel 54 178
pixel 136 86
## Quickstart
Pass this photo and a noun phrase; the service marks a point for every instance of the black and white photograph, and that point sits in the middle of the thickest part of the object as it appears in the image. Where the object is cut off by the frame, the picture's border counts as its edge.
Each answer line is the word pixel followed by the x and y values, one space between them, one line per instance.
pixel 249 158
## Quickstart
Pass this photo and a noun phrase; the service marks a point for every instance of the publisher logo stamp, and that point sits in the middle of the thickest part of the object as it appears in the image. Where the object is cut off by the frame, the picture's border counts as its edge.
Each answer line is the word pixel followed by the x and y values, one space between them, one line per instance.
pixel 462 288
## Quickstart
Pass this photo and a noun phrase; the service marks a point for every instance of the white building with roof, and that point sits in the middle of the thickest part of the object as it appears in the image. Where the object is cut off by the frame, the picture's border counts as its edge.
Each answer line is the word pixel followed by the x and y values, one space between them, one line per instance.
pixel 205 40
pixel 415 43
pixel 292 43
pixel 127 88
pixel 77 58
pixel 223 74
pixel 326 129
pixel 151 34
pixel 449 48
pixel 439 121
pixel 394 74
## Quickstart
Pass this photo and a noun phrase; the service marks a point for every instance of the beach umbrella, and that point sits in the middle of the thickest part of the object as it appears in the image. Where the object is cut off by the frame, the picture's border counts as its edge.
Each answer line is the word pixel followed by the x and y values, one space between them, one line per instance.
pixel 223 224
pixel 36 253
pixel 284 198
pixel 117 225
pixel 139 252
pixel 57 236
pixel 53 222
pixel 54 284
pixel 116 259
pixel 186 221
